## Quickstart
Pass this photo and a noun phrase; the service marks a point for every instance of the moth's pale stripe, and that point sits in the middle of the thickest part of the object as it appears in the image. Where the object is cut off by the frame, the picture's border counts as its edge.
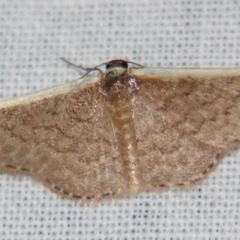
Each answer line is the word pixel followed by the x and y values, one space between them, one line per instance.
pixel 184 72
pixel 49 92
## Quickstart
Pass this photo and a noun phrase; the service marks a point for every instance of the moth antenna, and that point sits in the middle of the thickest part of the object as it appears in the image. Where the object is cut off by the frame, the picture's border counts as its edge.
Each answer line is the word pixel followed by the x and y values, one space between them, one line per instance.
pixel 82 68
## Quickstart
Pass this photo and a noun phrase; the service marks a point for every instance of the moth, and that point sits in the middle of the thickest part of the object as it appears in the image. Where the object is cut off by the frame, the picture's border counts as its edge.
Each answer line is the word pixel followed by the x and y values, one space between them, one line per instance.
pixel 126 131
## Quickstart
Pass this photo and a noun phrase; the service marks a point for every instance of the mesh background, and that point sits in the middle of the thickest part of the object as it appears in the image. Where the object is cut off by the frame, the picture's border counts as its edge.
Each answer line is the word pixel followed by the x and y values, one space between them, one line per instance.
pixel 35 34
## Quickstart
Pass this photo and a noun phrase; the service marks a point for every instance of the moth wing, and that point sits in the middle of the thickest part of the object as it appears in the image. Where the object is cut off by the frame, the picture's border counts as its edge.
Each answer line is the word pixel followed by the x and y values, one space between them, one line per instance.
pixel 62 137
pixel 186 121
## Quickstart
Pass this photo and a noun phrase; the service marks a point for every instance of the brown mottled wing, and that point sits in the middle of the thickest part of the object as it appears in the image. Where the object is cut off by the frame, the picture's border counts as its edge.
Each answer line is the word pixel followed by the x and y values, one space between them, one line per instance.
pixel 185 124
pixel 65 140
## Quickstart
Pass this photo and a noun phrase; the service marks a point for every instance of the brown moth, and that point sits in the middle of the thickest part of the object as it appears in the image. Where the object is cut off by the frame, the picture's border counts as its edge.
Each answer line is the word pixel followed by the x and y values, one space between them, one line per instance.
pixel 126 131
